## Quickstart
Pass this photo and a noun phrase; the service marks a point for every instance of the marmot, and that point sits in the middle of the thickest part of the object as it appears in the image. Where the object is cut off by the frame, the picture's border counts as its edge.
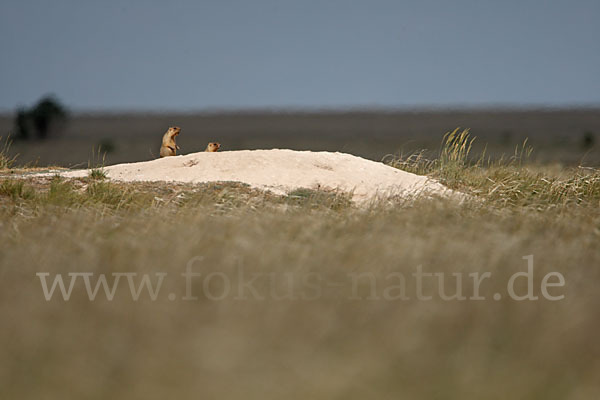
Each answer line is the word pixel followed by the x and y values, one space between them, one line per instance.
pixel 213 147
pixel 169 147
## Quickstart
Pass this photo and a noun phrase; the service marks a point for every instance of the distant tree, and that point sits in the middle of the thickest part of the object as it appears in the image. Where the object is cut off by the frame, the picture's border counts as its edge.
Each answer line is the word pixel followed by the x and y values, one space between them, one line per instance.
pixel 23 124
pixel 47 118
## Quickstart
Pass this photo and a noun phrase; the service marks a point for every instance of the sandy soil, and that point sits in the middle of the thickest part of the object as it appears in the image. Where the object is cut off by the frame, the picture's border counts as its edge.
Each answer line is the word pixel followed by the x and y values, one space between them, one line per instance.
pixel 280 171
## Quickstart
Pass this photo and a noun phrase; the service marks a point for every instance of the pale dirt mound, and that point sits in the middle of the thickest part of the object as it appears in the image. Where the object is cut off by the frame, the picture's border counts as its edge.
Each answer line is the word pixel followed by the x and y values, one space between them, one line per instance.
pixel 281 171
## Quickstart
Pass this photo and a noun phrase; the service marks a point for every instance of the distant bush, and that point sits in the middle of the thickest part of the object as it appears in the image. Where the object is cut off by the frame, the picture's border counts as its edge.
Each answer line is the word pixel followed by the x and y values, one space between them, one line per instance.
pixel 107 146
pixel 46 119
pixel 588 140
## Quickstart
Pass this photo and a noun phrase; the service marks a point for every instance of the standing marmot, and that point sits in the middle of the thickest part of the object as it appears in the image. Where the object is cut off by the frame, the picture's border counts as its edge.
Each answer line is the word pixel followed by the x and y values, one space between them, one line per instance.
pixel 169 147
pixel 213 146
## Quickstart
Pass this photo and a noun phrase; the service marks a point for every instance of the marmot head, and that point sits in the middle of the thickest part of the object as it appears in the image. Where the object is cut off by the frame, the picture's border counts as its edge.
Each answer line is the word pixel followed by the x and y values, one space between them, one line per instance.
pixel 213 146
pixel 173 131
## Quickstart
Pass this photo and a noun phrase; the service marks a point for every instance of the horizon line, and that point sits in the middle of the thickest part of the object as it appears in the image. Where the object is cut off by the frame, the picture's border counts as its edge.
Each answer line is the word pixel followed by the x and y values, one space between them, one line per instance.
pixel 462 107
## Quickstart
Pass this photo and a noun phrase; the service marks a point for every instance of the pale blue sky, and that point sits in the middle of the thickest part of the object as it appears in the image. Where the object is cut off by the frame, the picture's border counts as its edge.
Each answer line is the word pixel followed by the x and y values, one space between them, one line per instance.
pixel 193 55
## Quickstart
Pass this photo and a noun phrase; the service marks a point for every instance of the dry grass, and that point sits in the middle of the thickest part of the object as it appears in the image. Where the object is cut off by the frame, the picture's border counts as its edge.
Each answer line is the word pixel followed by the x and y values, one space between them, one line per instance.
pixel 333 345
pixel 508 181
pixel 6 161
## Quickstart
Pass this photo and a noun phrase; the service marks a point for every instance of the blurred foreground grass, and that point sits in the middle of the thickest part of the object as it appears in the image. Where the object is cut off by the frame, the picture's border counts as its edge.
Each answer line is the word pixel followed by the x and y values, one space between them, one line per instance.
pixel 288 335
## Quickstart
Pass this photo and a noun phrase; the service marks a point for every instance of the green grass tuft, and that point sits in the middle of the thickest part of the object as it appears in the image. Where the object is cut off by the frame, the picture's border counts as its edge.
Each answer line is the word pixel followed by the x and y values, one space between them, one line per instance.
pixel 96 164
pixel 109 194
pixel 16 190
pixel 97 174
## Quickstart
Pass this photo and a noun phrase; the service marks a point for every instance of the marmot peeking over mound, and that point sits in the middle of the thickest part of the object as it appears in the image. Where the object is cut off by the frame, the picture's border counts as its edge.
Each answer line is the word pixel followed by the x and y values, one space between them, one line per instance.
pixel 169 147
pixel 213 147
